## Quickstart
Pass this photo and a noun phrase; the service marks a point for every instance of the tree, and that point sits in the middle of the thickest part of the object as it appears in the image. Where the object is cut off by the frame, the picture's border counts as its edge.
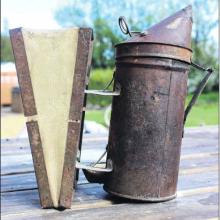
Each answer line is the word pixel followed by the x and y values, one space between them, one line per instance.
pixel 104 43
pixel 6 50
pixel 102 17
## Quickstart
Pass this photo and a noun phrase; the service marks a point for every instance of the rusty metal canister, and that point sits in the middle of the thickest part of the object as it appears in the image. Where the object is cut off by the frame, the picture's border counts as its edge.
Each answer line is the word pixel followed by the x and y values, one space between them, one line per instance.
pixel 147 117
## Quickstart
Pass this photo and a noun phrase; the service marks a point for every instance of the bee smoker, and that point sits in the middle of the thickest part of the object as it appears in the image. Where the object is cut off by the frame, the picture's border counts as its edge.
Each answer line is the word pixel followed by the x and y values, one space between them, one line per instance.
pixel 148 116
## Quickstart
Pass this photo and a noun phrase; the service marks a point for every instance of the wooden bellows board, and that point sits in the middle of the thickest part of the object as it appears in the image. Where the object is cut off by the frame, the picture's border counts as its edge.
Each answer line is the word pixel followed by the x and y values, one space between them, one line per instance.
pixel 53 69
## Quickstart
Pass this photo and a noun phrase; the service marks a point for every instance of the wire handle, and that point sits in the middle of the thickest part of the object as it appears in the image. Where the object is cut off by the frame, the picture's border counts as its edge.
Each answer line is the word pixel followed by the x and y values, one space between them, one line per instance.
pixel 198 90
pixel 123 25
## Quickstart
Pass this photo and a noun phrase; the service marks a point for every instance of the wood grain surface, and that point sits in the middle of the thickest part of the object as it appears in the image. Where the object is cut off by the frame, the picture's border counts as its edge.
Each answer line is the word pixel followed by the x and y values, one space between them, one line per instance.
pixel 197 196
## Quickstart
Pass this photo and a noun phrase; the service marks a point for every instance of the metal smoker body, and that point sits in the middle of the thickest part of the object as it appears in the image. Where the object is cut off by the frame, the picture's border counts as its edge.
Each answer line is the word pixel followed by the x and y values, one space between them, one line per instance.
pixel 147 118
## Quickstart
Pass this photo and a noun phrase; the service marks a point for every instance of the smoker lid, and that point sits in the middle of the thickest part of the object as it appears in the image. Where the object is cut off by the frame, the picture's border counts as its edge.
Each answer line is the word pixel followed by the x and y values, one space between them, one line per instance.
pixel 174 30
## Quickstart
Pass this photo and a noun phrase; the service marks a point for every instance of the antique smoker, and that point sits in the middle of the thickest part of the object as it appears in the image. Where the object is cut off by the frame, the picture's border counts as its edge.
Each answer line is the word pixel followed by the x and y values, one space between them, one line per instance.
pixel 148 116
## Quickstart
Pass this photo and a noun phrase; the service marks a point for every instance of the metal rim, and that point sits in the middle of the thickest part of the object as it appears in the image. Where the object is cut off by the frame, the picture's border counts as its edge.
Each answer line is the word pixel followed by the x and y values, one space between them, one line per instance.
pixel 144 199
pixel 173 45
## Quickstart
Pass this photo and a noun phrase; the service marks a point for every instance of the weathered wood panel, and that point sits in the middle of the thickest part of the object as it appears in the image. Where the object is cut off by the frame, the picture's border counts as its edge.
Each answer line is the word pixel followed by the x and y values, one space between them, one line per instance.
pixel 28 181
pixel 200 205
pixel 197 196
pixel 93 147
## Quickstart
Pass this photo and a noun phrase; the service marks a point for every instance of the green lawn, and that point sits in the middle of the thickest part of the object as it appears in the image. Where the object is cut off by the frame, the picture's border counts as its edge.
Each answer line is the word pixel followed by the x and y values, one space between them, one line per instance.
pixel 205 111
pixel 95 115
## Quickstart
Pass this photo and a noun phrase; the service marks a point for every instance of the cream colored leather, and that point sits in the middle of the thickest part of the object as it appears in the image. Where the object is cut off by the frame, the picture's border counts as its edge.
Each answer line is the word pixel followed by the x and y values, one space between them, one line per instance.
pixel 51 58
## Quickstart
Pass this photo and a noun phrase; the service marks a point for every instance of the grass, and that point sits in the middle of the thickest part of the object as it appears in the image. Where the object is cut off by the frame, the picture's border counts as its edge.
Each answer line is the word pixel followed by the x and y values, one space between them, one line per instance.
pixel 95 115
pixel 205 112
pixel 99 78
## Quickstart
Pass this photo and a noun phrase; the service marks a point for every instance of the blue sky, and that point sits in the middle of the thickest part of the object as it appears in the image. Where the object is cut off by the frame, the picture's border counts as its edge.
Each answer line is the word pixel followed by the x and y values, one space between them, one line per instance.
pixel 30 13
pixel 39 14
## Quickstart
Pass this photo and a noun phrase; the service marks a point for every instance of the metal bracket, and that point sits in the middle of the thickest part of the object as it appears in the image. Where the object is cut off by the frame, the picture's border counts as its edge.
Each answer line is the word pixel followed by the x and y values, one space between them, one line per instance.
pixel 108 168
pixel 104 92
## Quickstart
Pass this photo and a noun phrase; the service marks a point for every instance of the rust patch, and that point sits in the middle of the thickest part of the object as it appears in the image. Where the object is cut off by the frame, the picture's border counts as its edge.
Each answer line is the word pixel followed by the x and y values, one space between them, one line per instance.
pixel 145 128
pixel 82 68
pixel 39 164
pixel 23 73
pixel 66 192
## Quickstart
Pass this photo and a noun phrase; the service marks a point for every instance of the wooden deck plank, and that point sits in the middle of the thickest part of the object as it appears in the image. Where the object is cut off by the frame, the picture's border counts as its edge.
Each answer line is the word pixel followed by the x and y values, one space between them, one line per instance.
pixel 22 145
pixel 197 185
pixel 22 164
pixel 90 146
pixel 202 205
pixel 19 162
pixel 201 135
pixel 193 180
